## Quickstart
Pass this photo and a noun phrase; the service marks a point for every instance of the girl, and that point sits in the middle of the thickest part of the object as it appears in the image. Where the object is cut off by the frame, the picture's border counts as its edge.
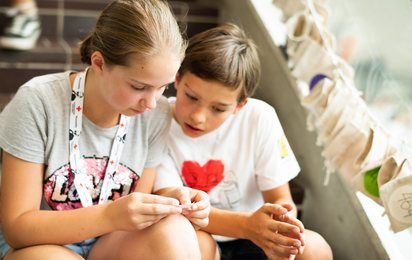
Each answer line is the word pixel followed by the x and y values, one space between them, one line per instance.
pixel 80 150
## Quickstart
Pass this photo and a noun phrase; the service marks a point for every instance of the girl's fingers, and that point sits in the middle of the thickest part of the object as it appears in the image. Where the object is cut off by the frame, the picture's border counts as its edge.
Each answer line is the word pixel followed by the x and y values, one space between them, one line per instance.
pixel 159 209
pixel 155 199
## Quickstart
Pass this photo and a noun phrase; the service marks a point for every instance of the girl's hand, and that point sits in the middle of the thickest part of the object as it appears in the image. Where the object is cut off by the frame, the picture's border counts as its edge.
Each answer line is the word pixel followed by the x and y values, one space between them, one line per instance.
pixel 198 213
pixel 137 211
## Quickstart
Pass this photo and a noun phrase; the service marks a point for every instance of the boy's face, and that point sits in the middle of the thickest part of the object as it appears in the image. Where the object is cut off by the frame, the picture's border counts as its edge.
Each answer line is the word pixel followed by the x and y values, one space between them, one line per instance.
pixel 202 106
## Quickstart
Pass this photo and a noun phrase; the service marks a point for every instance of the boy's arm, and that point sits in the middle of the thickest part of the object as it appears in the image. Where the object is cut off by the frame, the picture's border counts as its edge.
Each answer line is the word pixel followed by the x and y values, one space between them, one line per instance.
pixel 280 195
pixel 259 226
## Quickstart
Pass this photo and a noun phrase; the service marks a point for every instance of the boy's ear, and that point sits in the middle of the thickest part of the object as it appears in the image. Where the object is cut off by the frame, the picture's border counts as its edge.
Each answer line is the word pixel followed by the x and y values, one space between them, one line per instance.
pixel 97 60
pixel 240 106
pixel 177 79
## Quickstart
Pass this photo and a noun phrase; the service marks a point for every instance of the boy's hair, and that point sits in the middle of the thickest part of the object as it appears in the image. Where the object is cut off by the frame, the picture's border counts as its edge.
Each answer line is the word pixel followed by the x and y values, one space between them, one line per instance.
pixel 128 29
pixel 224 54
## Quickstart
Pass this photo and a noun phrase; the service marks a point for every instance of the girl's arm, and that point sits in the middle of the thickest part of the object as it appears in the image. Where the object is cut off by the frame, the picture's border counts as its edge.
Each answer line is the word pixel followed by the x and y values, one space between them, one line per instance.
pixel 24 224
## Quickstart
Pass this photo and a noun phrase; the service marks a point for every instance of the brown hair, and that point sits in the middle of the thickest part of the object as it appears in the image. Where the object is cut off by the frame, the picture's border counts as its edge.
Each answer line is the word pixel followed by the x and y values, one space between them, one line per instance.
pixel 134 28
pixel 224 54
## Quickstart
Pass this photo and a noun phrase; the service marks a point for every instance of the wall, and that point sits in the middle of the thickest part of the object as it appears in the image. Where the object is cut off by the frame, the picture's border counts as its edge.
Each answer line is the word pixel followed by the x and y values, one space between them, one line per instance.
pixel 333 211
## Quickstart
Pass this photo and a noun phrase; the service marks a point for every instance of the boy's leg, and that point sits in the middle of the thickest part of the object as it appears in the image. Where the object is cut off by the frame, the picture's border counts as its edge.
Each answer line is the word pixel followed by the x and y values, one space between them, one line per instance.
pixel 42 252
pixel 171 238
pixel 316 248
pixel 207 245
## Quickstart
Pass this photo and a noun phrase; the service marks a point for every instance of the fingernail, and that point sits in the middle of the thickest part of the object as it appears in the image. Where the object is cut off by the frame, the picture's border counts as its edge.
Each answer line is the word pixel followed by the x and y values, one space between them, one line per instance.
pixel 296 230
pixel 175 202
pixel 178 210
pixel 296 244
pixel 294 251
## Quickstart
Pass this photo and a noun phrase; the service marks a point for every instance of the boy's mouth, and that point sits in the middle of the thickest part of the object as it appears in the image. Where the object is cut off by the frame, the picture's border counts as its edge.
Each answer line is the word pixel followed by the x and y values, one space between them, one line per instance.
pixel 193 129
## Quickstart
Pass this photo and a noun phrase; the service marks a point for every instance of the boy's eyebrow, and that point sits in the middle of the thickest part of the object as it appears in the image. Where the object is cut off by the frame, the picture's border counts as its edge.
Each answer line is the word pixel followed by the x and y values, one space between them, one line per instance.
pixel 145 84
pixel 218 103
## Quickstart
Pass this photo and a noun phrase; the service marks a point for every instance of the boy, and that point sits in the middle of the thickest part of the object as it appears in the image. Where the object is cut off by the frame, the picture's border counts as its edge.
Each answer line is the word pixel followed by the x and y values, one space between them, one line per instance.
pixel 233 147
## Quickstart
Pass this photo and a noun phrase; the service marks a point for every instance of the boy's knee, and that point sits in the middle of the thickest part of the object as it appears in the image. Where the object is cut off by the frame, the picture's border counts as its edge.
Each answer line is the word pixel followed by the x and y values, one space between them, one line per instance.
pixel 316 248
pixel 207 246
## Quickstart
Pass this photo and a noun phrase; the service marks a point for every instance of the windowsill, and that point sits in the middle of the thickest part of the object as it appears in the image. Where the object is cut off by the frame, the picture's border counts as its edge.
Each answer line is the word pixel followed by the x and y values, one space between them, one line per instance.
pixel 397 246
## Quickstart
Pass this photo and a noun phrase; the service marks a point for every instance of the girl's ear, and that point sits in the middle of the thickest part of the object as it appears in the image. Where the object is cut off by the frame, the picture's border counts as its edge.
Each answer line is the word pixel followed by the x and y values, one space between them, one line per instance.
pixel 240 106
pixel 97 62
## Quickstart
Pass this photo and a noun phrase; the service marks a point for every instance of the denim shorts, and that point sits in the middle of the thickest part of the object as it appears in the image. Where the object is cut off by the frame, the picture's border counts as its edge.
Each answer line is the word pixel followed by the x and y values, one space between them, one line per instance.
pixel 240 249
pixel 82 248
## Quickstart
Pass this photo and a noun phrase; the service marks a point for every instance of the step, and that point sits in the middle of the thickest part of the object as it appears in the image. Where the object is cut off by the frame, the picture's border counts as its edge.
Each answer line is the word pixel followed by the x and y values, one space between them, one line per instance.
pixel 65 23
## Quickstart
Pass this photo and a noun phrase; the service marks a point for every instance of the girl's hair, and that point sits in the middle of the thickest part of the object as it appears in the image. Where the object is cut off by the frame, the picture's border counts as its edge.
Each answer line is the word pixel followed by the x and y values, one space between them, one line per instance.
pixel 134 28
pixel 224 54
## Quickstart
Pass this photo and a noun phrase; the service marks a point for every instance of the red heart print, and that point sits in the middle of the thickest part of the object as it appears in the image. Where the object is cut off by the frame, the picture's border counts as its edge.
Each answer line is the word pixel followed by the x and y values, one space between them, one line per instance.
pixel 204 177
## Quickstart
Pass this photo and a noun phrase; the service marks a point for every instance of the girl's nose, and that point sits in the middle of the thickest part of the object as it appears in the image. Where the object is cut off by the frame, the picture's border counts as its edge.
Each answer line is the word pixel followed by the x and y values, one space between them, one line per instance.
pixel 149 101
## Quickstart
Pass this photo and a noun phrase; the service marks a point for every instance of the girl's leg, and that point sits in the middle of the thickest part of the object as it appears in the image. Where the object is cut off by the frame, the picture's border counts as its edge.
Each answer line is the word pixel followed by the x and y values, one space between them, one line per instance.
pixel 207 245
pixel 172 238
pixel 43 252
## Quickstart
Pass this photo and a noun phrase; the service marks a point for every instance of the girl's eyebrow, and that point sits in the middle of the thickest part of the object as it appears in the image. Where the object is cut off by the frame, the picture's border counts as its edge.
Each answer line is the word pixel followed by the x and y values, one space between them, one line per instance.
pixel 145 84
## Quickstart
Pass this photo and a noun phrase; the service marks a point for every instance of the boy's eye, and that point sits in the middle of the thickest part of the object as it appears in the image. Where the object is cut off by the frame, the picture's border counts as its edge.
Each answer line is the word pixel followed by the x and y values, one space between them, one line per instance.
pixel 190 97
pixel 218 110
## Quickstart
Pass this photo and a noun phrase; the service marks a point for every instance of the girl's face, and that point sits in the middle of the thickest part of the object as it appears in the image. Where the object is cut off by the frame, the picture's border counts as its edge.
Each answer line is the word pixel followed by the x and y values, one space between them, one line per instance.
pixel 132 90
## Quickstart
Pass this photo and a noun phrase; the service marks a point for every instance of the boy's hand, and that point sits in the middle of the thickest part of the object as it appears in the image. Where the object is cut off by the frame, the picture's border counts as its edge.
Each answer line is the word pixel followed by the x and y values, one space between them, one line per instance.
pixel 198 213
pixel 281 236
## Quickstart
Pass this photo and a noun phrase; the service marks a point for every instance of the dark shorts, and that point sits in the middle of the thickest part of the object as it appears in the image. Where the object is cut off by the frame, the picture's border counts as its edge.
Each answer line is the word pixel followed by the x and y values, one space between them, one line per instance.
pixel 241 249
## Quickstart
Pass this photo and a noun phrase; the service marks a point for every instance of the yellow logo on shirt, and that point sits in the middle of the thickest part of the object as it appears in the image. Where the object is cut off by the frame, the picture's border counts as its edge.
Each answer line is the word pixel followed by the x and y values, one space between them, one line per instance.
pixel 283 147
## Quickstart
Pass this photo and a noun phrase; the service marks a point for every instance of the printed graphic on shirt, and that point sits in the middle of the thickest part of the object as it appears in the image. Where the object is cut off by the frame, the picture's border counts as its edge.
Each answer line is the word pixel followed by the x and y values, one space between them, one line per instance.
pixel 204 177
pixel 60 191
pixel 228 190
pixel 283 147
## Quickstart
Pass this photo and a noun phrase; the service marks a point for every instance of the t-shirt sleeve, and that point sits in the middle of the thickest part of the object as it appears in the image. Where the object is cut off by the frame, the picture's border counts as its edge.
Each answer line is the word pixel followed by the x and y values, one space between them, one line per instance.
pixel 23 126
pixel 158 132
pixel 275 162
pixel 167 175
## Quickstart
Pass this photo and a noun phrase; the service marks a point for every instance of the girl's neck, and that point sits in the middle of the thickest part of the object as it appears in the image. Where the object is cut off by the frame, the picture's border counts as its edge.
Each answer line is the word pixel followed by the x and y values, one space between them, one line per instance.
pixel 95 106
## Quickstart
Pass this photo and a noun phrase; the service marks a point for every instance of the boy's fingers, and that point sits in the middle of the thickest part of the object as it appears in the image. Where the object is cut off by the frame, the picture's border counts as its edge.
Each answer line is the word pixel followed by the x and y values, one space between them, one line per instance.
pixel 275 209
pixel 283 227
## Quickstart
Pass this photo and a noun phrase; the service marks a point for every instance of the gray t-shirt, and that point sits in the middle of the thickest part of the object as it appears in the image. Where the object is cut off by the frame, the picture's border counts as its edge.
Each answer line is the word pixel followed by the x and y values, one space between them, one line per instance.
pixel 34 127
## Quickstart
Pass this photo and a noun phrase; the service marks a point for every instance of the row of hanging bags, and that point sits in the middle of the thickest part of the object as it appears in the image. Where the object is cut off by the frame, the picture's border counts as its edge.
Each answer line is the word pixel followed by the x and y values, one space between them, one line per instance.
pixel 354 141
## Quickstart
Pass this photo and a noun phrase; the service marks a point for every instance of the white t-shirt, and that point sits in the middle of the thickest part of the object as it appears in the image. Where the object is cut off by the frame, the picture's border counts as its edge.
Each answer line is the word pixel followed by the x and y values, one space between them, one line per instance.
pixel 247 154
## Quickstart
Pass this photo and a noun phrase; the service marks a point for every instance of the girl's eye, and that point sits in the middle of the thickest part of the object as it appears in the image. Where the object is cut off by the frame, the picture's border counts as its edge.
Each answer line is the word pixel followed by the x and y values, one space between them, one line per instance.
pixel 218 110
pixel 139 89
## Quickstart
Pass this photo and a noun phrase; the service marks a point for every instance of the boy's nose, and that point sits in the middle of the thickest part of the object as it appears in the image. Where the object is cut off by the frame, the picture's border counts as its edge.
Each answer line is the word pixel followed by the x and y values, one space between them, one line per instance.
pixel 199 116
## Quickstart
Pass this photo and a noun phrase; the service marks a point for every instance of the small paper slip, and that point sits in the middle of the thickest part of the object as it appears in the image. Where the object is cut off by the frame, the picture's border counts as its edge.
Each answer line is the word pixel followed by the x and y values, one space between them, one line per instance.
pixel 184 206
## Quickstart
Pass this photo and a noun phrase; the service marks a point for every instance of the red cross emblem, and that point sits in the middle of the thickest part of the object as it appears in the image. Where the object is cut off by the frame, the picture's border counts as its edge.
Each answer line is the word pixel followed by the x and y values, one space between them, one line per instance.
pixel 78 108
pixel 122 125
pixel 111 162
pixel 75 146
